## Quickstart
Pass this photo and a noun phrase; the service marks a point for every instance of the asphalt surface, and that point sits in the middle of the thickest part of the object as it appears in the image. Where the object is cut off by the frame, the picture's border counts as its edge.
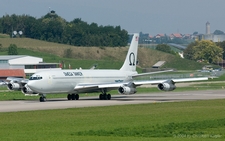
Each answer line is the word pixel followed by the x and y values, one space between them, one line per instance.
pixel 30 105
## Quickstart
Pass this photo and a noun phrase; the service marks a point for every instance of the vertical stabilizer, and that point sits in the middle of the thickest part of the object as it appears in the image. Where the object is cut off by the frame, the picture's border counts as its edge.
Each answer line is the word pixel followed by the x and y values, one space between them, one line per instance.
pixel 131 58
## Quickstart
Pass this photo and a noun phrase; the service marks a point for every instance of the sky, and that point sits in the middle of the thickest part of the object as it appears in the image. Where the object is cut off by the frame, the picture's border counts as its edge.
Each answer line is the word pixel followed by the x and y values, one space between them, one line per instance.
pixel 146 16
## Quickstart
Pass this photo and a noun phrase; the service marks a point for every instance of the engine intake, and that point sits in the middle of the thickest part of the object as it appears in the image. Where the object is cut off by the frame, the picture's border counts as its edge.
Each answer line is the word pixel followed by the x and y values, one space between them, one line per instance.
pixel 167 86
pixel 127 90
pixel 13 86
pixel 27 90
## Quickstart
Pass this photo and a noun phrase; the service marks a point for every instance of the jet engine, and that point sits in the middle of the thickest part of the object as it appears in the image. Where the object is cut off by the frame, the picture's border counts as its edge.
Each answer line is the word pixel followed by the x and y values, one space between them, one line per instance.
pixel 127 90
pixel 13 86
pixel 167 86
pixel 27 90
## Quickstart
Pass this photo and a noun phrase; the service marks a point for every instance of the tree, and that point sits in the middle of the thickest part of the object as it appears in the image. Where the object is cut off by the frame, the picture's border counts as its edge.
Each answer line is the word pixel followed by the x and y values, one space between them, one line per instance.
pixel 195 33
pixel 53 28
pixel 12 49
pixel 218 32
pixel 204 50
pixel 189 51
pixel 222 45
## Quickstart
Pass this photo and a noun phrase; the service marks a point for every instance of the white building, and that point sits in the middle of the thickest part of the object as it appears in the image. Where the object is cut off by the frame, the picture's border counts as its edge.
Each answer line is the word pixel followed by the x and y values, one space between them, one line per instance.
pixel 211 36
pixel 29 64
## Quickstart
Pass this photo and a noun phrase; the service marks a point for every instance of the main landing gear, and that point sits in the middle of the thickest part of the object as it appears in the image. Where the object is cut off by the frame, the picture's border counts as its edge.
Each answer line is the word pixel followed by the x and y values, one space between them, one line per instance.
pixel 105 96
pixel 73 96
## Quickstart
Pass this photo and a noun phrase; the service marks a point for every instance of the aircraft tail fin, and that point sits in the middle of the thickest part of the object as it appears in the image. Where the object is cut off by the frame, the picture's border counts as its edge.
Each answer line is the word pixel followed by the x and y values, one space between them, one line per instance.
pixel 131 58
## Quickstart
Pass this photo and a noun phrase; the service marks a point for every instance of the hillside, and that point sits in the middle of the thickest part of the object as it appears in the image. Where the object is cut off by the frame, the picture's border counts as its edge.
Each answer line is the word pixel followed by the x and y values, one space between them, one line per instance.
pixel 146 57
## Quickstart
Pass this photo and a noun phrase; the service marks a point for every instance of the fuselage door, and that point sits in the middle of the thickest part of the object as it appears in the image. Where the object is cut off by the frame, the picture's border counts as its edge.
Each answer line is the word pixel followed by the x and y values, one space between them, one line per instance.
pixel 50 79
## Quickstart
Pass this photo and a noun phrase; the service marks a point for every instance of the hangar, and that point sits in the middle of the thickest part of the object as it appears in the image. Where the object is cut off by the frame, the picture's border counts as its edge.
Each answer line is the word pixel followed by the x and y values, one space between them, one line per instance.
pixel 29 64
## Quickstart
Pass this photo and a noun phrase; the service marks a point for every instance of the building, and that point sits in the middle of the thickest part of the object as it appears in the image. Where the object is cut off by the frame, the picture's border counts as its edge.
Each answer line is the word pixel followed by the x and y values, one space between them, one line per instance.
pixel 207 28
pixel 214 38
pixel 211 36
pixel 29 64
pixel 175 35
pixel 4 73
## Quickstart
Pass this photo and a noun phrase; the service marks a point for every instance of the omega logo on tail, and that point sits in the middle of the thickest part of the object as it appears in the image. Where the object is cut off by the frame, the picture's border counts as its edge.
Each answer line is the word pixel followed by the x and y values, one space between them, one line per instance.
pixel 132 58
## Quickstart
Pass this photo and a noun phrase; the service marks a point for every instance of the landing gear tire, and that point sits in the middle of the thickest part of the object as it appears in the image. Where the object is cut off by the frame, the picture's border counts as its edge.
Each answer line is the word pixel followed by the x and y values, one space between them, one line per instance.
pixel 73 97
pixel 42 99
pixel 77 96
pixel 105 96
pixel 69 97
pixel 101 96
pixel 109 96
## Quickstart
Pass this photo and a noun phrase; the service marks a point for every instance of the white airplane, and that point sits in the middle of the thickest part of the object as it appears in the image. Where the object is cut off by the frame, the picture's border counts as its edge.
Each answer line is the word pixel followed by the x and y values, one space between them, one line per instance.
pixel 74 82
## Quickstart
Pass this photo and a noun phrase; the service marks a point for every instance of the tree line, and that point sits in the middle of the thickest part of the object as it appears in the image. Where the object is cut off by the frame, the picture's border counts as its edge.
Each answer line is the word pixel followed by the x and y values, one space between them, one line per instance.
pixel 54 28
pixel 202 51
pixel 205 51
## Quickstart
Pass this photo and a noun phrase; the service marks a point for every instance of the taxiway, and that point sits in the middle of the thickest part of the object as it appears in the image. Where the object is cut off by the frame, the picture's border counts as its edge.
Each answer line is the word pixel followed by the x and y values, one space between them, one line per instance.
pixel 30 105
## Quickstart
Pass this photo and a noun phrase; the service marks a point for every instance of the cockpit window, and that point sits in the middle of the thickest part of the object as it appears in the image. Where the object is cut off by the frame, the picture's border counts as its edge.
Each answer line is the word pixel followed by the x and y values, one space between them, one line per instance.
pixel 35 78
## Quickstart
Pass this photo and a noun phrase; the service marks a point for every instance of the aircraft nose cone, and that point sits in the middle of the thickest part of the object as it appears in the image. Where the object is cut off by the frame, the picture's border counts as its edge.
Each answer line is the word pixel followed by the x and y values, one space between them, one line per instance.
pixel 31 85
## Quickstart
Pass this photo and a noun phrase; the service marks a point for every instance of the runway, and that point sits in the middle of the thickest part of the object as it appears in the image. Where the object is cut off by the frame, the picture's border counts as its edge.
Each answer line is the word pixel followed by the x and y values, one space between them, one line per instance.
pixel 30 105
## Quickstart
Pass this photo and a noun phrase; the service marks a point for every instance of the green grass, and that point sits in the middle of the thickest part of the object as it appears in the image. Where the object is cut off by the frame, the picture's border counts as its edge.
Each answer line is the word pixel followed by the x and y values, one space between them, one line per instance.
pixel 75 63
pixel 4 35
pixel 105 58
pixel 199 120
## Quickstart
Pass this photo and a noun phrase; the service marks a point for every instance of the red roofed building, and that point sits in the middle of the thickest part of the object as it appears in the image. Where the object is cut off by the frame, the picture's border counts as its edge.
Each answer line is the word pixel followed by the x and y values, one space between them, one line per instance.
pixel 187 36
pixel 160 35
pixel 175 35
pixel 4 73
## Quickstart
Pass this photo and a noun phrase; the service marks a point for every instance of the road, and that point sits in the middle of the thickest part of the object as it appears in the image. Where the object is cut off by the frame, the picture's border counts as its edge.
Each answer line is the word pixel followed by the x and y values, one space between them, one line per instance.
pixel 30 105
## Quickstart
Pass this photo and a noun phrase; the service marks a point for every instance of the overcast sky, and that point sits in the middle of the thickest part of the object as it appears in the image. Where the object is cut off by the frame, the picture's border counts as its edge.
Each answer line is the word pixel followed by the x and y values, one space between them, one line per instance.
pixel 147 16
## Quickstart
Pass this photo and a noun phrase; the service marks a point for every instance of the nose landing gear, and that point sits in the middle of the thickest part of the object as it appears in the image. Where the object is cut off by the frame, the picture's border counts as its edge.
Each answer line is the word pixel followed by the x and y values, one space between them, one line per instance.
pixel 42 98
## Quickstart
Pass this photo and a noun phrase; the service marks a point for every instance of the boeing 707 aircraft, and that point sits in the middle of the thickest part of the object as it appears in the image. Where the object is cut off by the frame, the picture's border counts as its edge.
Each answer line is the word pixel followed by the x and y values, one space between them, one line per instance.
pixel 75 82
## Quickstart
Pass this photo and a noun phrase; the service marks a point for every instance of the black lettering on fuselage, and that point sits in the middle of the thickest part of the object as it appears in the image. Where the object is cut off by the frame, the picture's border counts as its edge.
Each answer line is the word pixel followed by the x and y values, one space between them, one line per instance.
pixel 68 73
pixel 77 73
pixel 73 73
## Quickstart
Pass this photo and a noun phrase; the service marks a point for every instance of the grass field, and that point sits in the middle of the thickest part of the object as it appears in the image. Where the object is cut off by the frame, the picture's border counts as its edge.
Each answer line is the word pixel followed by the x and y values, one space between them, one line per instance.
pixel 146 56
pixel 199 120
pixel 195 120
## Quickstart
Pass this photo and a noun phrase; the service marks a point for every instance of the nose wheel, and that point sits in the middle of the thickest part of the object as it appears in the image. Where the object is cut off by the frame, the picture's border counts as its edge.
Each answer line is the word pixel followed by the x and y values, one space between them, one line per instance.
pixel 42 98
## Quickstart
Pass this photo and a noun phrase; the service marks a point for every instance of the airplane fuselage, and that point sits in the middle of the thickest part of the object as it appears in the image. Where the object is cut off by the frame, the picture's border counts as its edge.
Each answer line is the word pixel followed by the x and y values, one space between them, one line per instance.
pixel 65 81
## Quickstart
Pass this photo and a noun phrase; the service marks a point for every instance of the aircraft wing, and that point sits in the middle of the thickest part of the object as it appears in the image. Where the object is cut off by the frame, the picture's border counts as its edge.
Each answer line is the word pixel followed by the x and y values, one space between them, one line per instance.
pixel 97 86
pixel 3 82
pixel 17 79
pixel 133 84
pixel 16 83
pixel 155 82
